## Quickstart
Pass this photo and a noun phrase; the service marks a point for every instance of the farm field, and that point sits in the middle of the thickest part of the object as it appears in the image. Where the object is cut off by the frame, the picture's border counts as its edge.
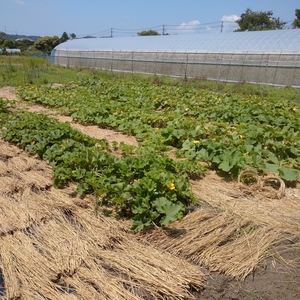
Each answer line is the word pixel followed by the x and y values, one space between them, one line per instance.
pixel 202 181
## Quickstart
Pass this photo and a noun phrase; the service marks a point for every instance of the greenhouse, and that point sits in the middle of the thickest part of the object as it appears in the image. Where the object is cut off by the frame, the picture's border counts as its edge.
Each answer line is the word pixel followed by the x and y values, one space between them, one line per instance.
pixel 264 57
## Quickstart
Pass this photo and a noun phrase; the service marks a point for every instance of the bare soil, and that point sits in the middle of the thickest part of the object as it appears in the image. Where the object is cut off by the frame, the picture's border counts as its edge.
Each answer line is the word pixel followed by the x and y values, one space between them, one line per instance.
pixel 208 235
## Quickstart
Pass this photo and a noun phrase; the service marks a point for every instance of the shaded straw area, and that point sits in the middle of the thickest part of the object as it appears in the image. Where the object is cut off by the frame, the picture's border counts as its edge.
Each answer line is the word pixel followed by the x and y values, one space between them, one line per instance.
pixel 52 247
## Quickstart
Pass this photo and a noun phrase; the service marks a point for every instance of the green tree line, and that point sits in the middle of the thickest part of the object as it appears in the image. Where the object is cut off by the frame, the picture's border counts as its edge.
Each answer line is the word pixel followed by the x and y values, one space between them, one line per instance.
pixel 264 20
pixel 42 45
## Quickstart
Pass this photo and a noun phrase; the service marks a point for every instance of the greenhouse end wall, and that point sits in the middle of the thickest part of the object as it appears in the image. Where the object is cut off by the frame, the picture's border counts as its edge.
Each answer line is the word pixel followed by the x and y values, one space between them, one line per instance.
pixel 274 68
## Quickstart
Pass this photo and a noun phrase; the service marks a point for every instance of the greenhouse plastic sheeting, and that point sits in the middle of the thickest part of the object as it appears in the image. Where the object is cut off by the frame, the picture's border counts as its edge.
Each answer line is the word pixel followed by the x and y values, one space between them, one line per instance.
pixel 269 40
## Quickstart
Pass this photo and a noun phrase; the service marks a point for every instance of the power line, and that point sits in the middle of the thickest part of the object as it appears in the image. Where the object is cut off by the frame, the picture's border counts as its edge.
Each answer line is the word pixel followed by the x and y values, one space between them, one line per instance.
pixel 162 29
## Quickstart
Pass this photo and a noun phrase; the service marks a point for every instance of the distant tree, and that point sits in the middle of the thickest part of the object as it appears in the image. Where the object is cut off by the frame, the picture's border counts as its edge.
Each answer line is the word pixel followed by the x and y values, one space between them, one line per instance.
pixel 73 35
pixel 2 36
pixel 24 44
pixel 296 22
pixel 258 20
pixel 47 43
pixel 148 32
pixel 27 42
pixel 9 44
pixel 64 37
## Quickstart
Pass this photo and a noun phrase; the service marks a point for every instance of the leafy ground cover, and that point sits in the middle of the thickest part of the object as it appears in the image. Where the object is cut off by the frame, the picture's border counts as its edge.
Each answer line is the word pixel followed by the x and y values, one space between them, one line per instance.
pixel 228 132
pixel 4 111
pixel 148 187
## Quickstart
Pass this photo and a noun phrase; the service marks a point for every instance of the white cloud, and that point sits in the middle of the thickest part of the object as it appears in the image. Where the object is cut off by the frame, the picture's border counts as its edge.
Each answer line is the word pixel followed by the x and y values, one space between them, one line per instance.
pixel 231 18
pixel 229 22
pixel 188 27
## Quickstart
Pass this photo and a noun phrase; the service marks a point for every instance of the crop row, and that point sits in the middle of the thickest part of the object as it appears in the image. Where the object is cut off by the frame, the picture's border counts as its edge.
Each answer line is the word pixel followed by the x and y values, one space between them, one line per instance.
pixel 148 187
pixel 228 132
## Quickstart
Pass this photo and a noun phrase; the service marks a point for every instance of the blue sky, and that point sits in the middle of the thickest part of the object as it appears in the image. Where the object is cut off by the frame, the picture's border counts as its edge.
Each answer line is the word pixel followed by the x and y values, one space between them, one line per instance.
pixel 127 17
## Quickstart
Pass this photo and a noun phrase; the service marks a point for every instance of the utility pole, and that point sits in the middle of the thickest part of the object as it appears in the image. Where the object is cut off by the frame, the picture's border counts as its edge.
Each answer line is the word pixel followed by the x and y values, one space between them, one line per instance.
pixel 111 32
pixel 163 33
pixel 222 25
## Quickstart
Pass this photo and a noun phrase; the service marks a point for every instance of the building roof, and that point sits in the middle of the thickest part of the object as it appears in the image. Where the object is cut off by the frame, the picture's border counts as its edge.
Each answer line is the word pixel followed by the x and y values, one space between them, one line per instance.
pixel 253 41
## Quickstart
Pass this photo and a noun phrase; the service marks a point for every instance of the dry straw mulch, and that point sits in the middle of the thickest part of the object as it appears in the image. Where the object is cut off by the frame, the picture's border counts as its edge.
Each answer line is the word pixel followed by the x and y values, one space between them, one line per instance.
pixel 233 232
pixel 220 242
pixel 52 248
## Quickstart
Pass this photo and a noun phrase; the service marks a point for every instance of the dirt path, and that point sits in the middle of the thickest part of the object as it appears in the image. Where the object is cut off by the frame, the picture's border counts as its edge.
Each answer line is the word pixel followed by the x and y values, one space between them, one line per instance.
pixel 213 237
pixel 8 93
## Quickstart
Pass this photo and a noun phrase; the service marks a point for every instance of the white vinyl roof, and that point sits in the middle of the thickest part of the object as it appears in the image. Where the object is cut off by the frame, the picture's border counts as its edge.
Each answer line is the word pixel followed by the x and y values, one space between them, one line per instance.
pixel 258 41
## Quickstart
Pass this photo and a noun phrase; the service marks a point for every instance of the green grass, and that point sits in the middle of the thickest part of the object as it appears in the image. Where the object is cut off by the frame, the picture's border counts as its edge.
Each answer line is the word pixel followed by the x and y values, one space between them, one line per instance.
pixel 264 91
pixel 23 70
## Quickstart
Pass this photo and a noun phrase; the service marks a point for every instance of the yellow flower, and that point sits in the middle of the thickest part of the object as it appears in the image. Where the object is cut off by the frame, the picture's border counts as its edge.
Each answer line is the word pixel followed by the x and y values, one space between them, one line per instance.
pixel 63 146
pixel 32 143
pixel 171 186
pixel 196 142
pixel 213 139
pixel 241 136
